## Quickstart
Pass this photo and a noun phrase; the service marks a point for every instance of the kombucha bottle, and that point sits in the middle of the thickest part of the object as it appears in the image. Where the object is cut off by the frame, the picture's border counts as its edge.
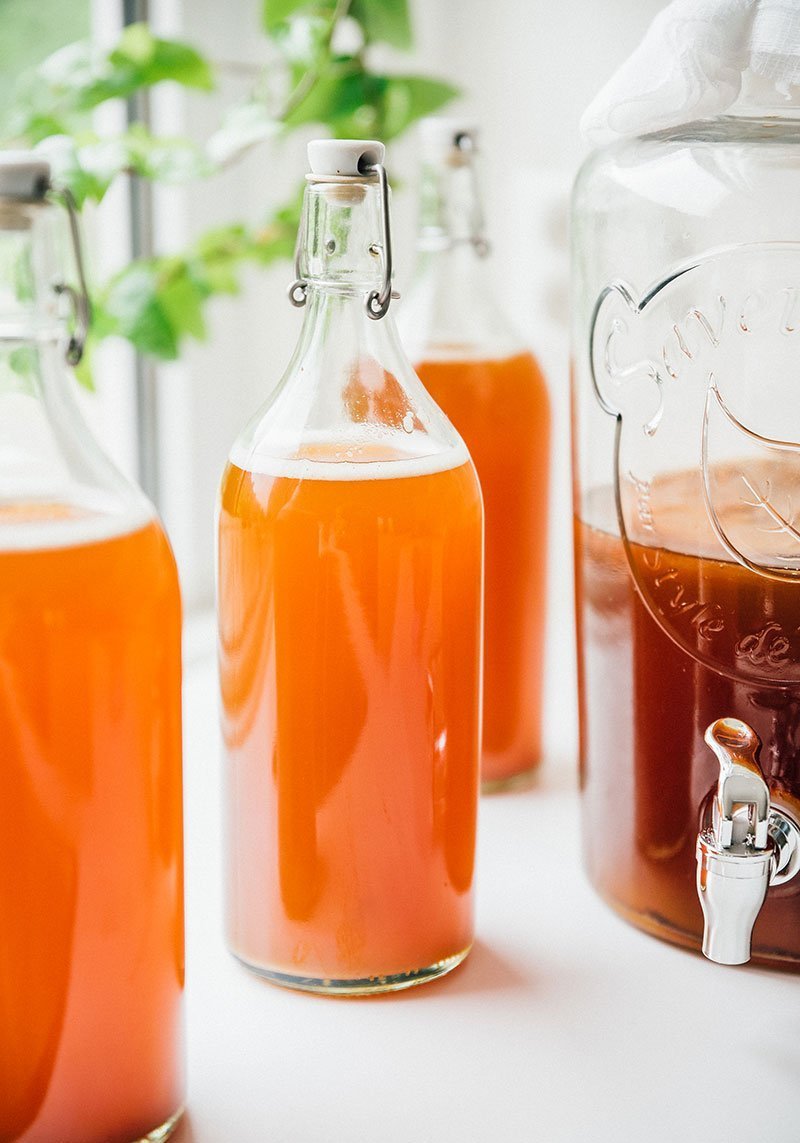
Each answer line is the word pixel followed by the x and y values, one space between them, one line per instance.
pixel 493 391
pixel 91 901
pixel 350 594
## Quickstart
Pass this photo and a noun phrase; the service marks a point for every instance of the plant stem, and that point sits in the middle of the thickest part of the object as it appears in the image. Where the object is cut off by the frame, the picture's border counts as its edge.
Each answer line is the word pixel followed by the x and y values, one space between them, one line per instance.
pixel 313 74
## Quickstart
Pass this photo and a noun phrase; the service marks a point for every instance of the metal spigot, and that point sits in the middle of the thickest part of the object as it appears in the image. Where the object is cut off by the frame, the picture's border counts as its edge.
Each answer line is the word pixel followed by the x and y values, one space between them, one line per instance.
pixel 747 846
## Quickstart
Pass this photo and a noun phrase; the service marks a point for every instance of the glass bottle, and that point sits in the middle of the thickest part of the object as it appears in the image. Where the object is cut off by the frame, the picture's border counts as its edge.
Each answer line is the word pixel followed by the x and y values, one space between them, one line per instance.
pixel 350 566
pixel 687 466
pixel 492 389
pixel 91 905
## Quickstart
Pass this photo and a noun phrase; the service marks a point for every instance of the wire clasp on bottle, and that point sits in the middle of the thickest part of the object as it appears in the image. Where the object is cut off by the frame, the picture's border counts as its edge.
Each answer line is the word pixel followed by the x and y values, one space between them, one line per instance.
pixel 78 298
pixel 377 302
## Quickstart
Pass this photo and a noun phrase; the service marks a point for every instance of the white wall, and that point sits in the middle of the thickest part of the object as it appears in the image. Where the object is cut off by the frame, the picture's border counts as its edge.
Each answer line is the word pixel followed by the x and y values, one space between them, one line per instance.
pixel 527 68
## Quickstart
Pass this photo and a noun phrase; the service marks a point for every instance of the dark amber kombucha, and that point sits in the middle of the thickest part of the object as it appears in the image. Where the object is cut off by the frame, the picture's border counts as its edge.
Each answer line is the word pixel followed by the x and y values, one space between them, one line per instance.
pixel 701 637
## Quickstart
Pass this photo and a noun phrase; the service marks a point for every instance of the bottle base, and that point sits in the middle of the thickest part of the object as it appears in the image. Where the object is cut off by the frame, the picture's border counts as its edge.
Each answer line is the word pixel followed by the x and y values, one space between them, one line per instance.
pixel 366 986
pixel 159 1134
pixel 519 780
pixel 657 926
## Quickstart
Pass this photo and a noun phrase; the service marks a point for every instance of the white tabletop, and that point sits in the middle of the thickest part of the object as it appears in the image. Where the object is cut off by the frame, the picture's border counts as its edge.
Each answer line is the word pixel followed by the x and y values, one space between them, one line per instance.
pixel 564 1025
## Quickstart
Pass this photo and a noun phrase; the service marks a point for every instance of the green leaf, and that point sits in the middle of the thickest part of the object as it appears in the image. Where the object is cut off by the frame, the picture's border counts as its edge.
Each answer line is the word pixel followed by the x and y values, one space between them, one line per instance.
pixel 136 312
pixel 384 21
pixel 55 99
pixel 157 302
pixel 340 91
pixel 218 254
pixel 160 59
pixel 142 60
pixel 181 298
pixel 408 98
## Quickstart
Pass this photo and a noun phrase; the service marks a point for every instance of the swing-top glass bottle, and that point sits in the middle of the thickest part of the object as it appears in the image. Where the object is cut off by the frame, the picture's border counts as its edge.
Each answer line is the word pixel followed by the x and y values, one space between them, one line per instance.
pixel 350 564
pixel 91 902
pixel 491 387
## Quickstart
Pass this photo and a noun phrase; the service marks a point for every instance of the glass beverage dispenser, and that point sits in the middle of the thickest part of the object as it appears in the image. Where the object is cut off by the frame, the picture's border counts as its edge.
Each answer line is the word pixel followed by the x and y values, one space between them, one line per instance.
pixel 687 526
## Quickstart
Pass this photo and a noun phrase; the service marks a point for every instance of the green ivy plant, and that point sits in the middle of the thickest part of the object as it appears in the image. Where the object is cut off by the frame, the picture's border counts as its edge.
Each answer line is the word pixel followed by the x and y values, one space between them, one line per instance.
pixel 156 303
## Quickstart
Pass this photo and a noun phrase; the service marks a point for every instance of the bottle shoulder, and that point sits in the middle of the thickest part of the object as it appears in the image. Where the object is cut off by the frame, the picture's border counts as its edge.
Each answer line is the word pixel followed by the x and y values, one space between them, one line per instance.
pixel 59 488
pixel 349 400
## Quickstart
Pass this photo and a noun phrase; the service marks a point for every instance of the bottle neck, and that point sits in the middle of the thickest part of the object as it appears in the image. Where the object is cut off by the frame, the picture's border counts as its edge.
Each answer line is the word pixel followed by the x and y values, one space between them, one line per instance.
pixel 340 243
pixel 29 310
pixel 341 263
pixel 33 335
pixel 451 212
pixel 451 309
pixel 47 453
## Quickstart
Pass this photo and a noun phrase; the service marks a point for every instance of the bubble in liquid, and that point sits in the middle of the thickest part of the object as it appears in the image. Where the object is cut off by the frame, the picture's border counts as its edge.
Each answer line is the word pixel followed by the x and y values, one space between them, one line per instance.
pixel 408 422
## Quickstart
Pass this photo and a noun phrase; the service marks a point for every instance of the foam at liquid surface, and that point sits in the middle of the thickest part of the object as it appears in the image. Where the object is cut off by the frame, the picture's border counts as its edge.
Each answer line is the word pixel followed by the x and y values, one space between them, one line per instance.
pixel 42 525
pixel 326 459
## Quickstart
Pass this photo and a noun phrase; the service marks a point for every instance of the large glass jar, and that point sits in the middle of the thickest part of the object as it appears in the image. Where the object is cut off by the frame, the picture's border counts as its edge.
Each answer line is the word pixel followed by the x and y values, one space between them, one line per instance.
pixel 687 499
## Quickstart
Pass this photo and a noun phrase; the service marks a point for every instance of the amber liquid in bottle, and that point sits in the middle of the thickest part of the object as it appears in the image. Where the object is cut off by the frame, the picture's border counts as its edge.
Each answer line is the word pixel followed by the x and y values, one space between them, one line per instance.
pixel 91 898
pixel 502 410
pixel 349 629
pixel 727 642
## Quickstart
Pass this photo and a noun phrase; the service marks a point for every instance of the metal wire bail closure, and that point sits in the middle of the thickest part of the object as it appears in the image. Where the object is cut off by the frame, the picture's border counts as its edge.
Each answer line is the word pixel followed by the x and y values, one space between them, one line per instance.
pixel 378 301
pixel 298 293
pixel 298 290
pixel 478 240
pixel 78 298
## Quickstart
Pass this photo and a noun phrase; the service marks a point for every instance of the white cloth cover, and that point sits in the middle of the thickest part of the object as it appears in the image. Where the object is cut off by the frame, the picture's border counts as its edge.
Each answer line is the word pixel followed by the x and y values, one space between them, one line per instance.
pixel 691 63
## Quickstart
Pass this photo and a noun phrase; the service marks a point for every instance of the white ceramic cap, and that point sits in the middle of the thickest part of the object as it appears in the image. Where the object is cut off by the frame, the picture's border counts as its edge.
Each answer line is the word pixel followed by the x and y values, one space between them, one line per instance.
pixel 441 134
pixel 346 157
pixel 24 176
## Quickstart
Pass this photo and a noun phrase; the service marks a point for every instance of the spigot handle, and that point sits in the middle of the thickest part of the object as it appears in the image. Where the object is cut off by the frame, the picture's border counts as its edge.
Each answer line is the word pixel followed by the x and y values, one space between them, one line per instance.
pixel 741 786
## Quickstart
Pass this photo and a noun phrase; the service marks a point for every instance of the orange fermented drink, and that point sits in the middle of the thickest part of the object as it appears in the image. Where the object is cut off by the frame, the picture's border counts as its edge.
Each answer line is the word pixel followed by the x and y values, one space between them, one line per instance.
pixel 91 922
pixel 350 627
pixel 493 391
pixel 501 408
